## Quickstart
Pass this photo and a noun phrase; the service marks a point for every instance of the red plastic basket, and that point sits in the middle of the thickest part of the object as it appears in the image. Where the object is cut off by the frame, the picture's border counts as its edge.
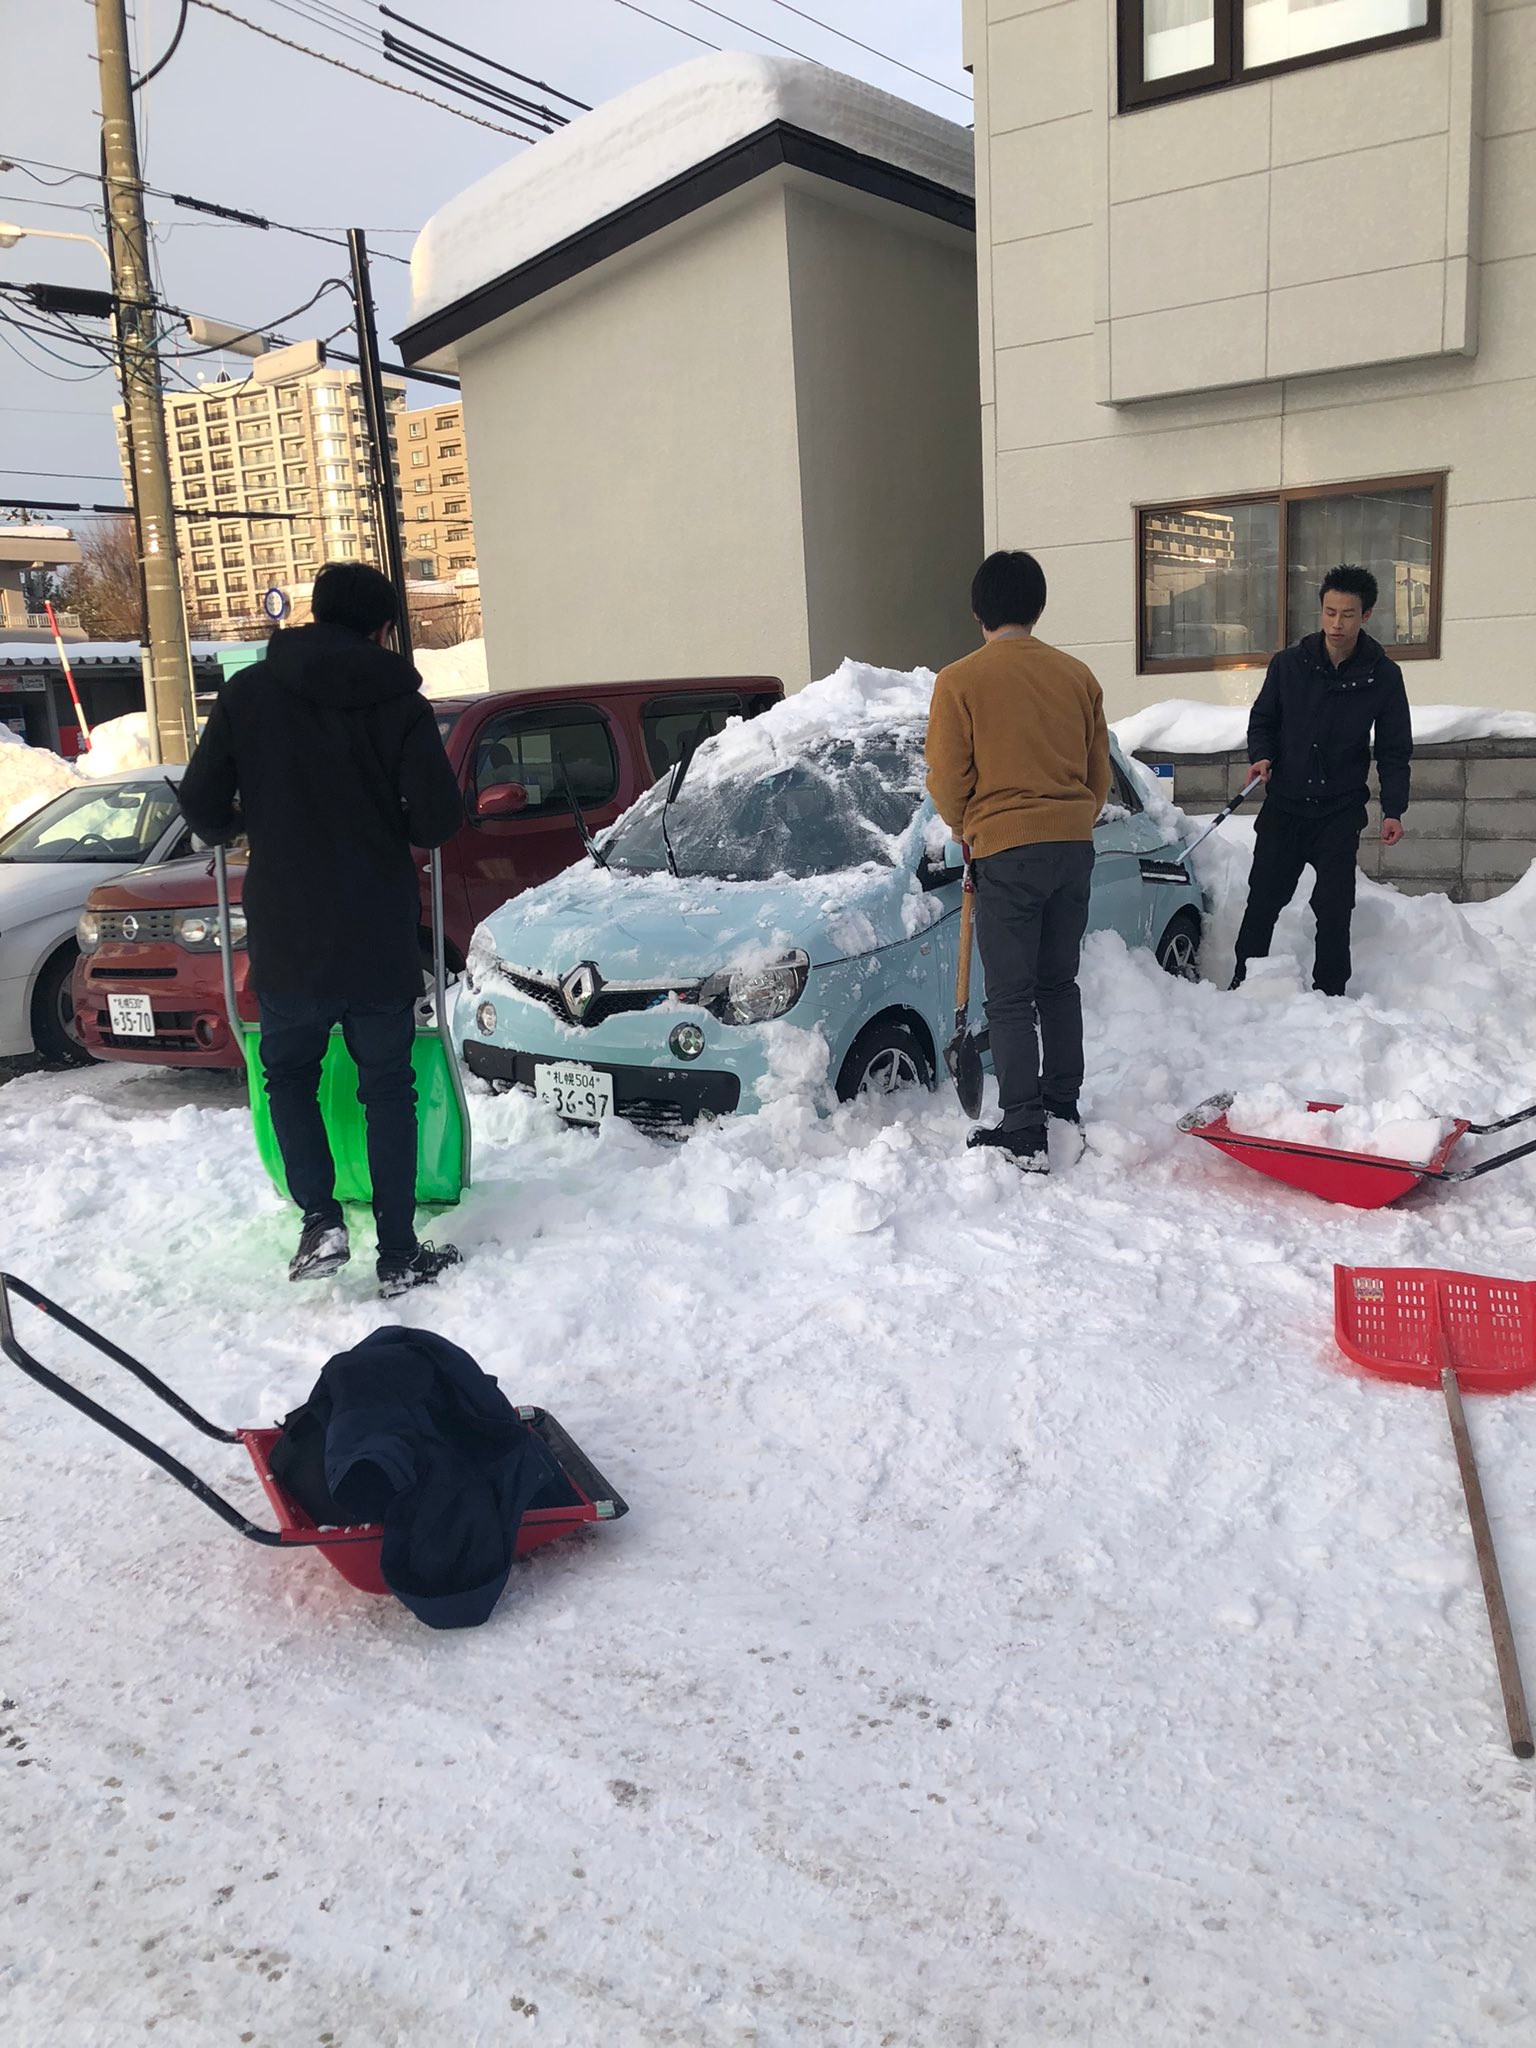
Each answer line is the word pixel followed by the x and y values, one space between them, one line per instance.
pixel 1359 1180
pixel 1409 1323
pixel 355 1552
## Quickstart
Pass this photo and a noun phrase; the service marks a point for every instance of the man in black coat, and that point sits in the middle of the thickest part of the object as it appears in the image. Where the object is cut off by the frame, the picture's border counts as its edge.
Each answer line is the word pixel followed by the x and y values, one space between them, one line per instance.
pixel 1310 738
pixel 327 757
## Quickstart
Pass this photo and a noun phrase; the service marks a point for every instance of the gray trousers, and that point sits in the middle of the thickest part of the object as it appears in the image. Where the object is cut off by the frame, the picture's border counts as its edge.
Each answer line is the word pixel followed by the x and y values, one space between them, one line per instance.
pixel 1031 913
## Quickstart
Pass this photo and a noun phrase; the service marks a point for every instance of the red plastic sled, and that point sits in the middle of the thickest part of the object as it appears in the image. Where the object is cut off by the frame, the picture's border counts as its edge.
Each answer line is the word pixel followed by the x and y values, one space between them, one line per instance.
pixel 1414 1323
pixel 1361 1180
pixel 353 1551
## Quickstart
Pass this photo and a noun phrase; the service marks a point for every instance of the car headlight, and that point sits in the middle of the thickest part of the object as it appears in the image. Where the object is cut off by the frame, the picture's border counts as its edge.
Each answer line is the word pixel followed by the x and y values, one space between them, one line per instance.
pixel 751 995
pixel 88 931
pixel 198 930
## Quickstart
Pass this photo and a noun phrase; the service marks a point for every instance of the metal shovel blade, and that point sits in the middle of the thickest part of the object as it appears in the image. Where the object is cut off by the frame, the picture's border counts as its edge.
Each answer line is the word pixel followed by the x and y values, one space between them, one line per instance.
pixel 962 1056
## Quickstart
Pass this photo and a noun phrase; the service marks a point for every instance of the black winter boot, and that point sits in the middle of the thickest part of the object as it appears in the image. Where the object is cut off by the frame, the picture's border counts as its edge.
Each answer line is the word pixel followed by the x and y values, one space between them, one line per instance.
pixel 426 1264
pixel 1026 1147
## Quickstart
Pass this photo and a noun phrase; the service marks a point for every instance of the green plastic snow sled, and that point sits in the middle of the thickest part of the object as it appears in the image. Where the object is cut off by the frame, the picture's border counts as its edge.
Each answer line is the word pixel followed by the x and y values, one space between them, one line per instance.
pixel 442 1115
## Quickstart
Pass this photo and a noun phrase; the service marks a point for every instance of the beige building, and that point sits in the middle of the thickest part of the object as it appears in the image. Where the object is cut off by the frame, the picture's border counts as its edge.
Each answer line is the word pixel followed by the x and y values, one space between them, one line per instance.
pixel 436 523
pixel 295 455
pixel 1258 294
pixel 717 345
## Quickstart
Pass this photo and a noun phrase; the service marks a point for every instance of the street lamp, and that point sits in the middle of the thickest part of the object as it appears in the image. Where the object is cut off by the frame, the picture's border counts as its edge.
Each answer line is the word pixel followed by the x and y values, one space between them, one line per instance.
pixel 11 234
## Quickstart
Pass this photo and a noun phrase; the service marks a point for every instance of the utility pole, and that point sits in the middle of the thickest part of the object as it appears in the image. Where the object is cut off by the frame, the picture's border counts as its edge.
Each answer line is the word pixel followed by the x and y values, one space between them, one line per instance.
pixel 168 671
pixel 377 414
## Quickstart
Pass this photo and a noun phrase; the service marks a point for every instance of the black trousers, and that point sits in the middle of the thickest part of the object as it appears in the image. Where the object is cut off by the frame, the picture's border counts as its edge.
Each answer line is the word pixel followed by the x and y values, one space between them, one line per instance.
pixel 1287 842
pixel 1031 913
pixel 295 1031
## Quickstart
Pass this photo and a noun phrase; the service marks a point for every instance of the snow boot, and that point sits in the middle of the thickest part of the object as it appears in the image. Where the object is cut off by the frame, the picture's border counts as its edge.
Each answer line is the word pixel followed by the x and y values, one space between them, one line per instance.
pixel 426 1263
pixel 323 1249
pixel 1064 1133
pixel 1026 1148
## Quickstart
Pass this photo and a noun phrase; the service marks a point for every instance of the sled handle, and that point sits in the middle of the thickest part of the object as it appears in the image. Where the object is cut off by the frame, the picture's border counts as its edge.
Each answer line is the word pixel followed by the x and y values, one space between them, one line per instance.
pixel 226 949
pixel 20 1357
pixel 1194 1120
pixel 1487 1165
pixel 1521 1116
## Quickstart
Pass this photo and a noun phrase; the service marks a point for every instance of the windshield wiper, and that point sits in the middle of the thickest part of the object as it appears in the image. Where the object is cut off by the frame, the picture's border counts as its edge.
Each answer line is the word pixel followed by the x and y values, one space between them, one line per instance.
pixel 598 857
pixel 684 761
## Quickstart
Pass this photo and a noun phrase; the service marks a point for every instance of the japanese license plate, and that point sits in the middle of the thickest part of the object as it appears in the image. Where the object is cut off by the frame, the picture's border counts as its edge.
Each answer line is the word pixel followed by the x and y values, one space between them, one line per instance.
pixel 131 1016
pixel 580 1093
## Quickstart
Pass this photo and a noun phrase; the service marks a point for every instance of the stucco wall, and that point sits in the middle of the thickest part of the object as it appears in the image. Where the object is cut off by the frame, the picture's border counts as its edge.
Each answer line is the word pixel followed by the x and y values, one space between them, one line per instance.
pixel 1422 159
pixel 634 468
pixel 884 314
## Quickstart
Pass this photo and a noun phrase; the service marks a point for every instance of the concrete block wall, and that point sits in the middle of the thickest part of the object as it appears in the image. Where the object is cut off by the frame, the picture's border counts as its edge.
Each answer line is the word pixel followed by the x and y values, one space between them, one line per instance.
pixel 1471 823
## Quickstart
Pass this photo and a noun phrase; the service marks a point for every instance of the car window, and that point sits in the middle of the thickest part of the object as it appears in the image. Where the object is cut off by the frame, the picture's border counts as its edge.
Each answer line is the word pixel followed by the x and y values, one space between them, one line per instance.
pixel 121 822
pixel 529 747
pixel 1122 790
pixel 669 723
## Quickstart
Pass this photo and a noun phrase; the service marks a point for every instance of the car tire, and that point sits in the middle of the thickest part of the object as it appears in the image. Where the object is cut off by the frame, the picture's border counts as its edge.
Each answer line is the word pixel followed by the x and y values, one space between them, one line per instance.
pixel 883 1059
pixel 1178 950
pixel 53 1012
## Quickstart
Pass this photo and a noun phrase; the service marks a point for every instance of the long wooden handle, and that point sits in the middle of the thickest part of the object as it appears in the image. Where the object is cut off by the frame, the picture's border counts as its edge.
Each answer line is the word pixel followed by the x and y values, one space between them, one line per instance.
pixel 1516 1712
pixel 963 970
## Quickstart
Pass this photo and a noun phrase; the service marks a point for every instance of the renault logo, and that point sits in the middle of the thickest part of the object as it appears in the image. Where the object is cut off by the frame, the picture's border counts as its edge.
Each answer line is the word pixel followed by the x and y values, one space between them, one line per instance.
pixel 130 927
pixel 579 988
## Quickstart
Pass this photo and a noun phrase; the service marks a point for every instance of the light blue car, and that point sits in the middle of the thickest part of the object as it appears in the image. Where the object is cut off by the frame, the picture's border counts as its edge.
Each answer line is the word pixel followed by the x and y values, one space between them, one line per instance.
pixel 791 916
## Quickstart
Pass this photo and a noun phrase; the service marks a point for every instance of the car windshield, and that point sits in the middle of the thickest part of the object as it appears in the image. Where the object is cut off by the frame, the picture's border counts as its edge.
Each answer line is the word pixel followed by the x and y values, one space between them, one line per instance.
pixel 122 823
pixel 844 802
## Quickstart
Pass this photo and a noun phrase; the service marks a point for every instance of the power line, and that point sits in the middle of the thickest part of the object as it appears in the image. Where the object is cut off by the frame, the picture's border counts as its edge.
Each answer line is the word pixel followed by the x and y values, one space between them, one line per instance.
pixel 65 476
pixel 464 50
pixel 236 214
pixel 676 29
pixel 884 55
pixel 155 70
pixel 389 84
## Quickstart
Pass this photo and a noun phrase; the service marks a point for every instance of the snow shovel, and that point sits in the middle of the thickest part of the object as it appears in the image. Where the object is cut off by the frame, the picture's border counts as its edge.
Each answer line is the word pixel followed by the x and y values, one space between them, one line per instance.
pixel 1430 1328
pixel 962 1055
pixel 1176 870
pixel 442 1115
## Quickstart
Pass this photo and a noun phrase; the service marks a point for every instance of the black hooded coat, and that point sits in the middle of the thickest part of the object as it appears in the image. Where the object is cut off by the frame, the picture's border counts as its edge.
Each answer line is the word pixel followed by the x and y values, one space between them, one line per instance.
pixel 329 759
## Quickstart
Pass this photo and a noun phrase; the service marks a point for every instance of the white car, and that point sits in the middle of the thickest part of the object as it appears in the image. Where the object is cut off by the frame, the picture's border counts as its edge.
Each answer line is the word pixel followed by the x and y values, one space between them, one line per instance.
pixel 49 864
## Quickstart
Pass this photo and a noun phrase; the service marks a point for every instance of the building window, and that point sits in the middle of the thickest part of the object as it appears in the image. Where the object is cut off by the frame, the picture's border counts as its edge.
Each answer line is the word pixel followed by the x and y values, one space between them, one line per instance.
pixel 231 533
pixel 446 422
pixel 418 428
pixel 453 476
pixel 454 504
pixel 461 561
pixel 191 442
pixel 186 415
pixel 209 611
pixel 458 533
pixel 418 458
pixel 1226 583
pixel 216 412
pixel 218 437
pixel 207 586
pixel 450 449
pixel 423 512
pixel 195 491
pixel 1172 47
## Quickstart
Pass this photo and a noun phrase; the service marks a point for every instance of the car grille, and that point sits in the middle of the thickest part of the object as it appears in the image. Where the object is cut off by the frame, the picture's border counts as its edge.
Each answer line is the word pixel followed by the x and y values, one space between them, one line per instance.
pixel 148 925
pixel 130 974
pixel 618 1001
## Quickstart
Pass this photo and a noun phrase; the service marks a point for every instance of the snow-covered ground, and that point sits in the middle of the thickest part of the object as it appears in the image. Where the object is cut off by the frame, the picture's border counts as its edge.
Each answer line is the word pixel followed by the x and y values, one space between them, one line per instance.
pixel 1027 1627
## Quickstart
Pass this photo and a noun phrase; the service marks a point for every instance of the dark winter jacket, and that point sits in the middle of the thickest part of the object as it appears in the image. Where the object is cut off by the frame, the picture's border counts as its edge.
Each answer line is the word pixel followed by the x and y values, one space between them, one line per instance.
pixel 1313 723
pixel 405 1429
pixel 327 756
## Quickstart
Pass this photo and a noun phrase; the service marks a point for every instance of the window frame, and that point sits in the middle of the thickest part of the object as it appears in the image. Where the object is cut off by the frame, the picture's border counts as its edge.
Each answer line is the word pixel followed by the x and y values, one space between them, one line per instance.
pixel 553 715
pixel 1284 497
pixel 1228 69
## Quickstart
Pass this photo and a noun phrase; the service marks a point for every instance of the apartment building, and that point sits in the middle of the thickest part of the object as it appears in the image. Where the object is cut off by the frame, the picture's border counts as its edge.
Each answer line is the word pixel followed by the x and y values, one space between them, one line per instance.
pixel 433 476
pixel 1258 294
pixel 296 456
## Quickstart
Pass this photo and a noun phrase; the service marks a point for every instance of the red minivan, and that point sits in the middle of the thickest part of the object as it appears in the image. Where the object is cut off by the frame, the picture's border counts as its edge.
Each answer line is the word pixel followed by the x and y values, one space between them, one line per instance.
pixel 149 986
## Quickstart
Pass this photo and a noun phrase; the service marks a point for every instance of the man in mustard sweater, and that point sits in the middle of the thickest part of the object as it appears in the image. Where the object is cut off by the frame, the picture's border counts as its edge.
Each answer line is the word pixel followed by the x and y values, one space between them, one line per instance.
pixel 1018 765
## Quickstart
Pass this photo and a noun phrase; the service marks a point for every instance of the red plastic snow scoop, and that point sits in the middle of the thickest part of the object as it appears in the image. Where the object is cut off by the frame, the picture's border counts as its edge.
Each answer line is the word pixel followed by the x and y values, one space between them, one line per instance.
pixel 1434 1328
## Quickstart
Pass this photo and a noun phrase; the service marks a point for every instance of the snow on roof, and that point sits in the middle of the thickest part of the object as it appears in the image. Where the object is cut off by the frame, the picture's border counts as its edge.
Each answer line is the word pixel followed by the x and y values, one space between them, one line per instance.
pixel 28 532
pixel 652 134
pixel 1180 725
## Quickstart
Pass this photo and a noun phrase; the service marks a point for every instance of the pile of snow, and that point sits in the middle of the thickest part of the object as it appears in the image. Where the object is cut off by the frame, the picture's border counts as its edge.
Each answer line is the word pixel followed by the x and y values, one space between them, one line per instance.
pixel 658 131
pixel 118 745
pixel 1399 1128
pixel 855 698
pixel 1181 725
pixel 29 776
pixel 452 671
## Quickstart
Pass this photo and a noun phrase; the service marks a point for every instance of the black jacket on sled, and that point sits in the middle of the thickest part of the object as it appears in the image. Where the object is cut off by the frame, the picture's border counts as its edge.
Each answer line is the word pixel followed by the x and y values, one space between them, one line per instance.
pixel 405 1429
pixel 328 757
pixel 1313 723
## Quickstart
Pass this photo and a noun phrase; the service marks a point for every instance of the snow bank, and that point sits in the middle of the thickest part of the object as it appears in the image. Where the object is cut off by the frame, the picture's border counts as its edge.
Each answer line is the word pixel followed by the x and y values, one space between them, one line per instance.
pixel 1180 725
pixel 29 776
pixel 1401 1128
pixel 453 671
pixel 118 745
pixel 644 138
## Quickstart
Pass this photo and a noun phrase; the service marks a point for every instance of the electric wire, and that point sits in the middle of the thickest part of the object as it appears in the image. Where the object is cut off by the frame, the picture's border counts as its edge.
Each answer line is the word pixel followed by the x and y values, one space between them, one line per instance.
pixel 389 84
pixel 884 55
pixel 539 84
pixel 154 71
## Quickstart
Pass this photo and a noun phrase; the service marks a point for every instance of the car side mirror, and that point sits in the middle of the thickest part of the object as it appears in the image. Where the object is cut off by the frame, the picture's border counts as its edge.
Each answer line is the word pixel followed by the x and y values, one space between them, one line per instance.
pixel 937 871
pixel 502 800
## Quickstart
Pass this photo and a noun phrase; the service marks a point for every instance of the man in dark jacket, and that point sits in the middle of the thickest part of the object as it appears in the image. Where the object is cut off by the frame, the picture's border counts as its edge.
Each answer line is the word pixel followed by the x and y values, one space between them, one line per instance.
pixel 326 756
pixel 1309 737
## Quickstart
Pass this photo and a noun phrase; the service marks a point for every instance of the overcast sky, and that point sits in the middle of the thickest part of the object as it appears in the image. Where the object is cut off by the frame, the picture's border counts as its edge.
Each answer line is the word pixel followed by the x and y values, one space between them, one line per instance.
pixel 238 119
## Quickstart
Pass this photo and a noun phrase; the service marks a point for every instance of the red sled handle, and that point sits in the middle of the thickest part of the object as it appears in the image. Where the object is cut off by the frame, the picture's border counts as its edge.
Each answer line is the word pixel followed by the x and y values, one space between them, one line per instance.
pixel 20 1357
pixel 1193 1121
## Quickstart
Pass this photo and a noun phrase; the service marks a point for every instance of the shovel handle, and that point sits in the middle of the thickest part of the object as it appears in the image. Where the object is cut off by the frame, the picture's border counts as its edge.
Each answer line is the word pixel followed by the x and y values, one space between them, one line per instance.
pixel 1516 1713
pixel 963 969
